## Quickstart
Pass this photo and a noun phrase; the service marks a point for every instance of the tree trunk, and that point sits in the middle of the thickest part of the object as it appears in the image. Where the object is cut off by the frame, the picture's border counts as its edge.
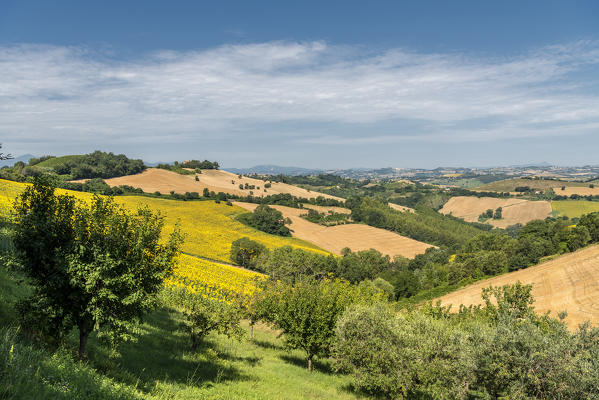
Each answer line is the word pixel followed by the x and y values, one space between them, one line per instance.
pixel 310 363
pixel 83 335
pixel 251 331
pixel 195 342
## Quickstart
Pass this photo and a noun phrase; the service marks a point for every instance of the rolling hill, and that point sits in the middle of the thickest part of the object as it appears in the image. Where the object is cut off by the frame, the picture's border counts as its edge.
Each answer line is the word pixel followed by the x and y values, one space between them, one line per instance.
pixel 513 210
pixel 569 282
pixel 355 236
pixel 163 181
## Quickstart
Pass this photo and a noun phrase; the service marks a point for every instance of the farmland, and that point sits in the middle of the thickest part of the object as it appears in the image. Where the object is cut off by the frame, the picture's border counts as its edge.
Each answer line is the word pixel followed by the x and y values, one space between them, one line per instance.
pixel 569 282
pixel 355 236
pixel 514 210
pixel 574 208
pixel 209 228
pixel 212 280
pixel 581 191
pixel 510 185
pixel 164 181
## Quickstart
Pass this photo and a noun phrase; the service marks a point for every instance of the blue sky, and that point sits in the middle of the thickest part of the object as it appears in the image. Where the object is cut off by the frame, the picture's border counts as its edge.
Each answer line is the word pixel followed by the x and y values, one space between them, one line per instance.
pixel 314 84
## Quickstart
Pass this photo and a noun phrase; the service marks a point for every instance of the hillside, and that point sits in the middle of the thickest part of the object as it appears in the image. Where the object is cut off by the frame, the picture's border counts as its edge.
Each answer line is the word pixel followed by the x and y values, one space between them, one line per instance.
pixel 569 282
pixel 56 161
pixel 355 236
pixel 574 208
pixel 582 191
pixel 514 211
pixel 163 181
pixel 510 185
pixel 210 228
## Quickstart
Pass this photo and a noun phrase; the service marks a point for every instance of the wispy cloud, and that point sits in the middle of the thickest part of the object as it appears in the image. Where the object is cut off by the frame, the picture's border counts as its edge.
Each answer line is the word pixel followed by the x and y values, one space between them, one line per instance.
pixel 51 94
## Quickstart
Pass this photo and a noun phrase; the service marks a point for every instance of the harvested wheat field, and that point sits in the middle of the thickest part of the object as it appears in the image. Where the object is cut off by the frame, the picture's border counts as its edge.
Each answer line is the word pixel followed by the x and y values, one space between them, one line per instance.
pixel 397 207
pixel 163 181
pixel 569 282
pixel 513 210
pixel 355 236
pixel 582 191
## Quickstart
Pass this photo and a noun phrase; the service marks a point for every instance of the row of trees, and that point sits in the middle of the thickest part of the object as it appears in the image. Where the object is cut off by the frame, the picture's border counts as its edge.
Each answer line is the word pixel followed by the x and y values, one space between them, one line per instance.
pixel 426 225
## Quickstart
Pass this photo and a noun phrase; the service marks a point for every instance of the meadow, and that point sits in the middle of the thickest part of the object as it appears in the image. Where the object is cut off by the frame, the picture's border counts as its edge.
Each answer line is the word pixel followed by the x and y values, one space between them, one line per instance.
pixel 574 208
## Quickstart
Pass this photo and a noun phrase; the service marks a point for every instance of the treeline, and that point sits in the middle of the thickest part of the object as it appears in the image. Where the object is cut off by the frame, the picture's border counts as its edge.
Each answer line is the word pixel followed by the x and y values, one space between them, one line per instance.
pixel 426 225
pixel 327 219
pixel 99 165
pixel 195 165
pixel 489 254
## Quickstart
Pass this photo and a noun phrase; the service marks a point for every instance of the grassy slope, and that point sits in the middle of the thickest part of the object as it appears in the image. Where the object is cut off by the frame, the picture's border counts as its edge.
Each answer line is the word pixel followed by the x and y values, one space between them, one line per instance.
pixel 158 365
pixel 574 208
pixel 509 185
pixel 52 162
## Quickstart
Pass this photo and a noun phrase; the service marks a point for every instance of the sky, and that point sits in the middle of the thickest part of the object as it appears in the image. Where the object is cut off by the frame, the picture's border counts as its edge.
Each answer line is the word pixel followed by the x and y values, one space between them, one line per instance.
pixel 323 84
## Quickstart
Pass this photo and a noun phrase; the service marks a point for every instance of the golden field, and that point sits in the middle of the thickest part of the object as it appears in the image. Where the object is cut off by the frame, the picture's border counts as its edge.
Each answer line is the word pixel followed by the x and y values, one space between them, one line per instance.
pixel 582 191
pixel 569 282
pixel 514 211
pixel 159 180
pixel 213 280
pixel 355 236
pixel 209 228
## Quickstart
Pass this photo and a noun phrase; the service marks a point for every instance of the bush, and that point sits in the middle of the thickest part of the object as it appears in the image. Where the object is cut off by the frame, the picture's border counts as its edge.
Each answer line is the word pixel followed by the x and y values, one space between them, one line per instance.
pixel 245 252
pixel 266 219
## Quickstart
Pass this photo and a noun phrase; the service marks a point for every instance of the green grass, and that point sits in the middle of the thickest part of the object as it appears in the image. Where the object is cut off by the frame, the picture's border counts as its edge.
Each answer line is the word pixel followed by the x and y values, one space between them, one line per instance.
pixel 53 162
pixel 158 364
pixel 574 208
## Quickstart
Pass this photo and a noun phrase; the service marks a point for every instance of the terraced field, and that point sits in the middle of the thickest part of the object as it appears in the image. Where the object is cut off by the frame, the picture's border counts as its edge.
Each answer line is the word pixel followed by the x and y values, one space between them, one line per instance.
pixel 569 282
pixel 355 236
pixel 513 210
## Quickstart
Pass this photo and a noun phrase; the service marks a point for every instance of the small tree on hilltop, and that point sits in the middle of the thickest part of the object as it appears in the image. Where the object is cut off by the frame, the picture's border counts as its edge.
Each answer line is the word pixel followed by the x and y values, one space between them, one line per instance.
pixel 94 266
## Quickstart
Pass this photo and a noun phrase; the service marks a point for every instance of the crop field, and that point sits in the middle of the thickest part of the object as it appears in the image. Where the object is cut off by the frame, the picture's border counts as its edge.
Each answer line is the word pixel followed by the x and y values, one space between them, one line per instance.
pixel 582 191
pixel 213 280
pixel 355 236
pixel 163 181
pixel 574 208
pixel 397 207
pixel 513 210
pixel 569 282
pixel 510 185
pixel 209 228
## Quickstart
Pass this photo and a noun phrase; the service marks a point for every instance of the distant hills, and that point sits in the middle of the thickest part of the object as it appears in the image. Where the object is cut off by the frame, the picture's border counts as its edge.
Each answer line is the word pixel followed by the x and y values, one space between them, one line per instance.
pixel 25 158
pixel 275 170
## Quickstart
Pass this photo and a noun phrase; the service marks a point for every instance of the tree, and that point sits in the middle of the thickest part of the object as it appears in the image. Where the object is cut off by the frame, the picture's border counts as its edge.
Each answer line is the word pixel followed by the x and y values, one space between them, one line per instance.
pixel 307 312
pixel 498 213
pixel 266 219
pixel 204 315
pixel 245 252
pixel 4 156
pixel 92 265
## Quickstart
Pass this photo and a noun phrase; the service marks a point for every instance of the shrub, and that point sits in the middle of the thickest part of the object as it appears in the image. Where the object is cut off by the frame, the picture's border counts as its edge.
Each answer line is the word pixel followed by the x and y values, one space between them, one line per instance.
pixel 245 252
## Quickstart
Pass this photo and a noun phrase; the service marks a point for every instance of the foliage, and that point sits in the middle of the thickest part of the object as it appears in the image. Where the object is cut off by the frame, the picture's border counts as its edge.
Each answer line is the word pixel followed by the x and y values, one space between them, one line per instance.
pixel 266 219
pixel 291 265
pixel 425 225
pixel 4 156
pixel 99 165
pixel 307 312
pixel 93 265
pixel 197 164
pixel 245 252
pixel 500 350
pixel 330 219
pixel 203 315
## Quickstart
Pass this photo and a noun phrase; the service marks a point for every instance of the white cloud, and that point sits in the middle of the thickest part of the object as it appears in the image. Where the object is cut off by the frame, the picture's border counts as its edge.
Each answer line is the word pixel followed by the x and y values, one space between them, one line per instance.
pixel 53 94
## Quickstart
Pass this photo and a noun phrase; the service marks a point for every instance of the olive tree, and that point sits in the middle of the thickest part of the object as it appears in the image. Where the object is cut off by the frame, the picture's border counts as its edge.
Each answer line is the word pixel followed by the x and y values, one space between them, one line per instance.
pixel 93 265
